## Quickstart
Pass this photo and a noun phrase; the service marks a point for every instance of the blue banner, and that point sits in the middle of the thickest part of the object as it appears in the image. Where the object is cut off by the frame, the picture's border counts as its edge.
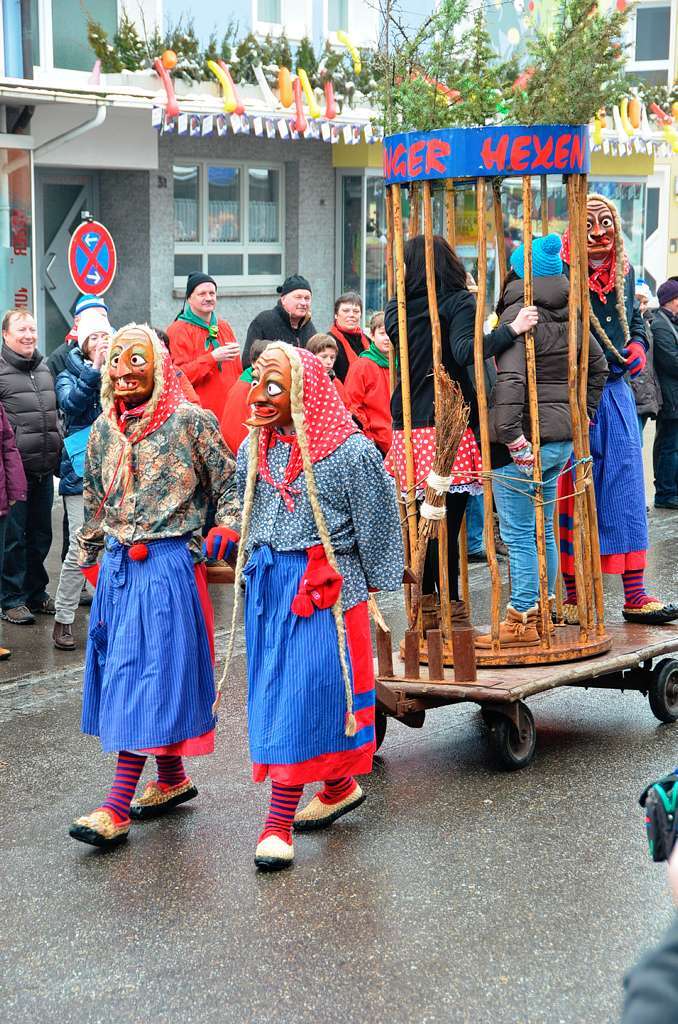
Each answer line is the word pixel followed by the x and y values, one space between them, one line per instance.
pixel 490 152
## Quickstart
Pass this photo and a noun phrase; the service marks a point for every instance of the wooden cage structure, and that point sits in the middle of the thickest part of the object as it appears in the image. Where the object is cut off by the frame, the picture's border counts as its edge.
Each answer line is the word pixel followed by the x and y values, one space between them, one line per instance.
pixel 424 163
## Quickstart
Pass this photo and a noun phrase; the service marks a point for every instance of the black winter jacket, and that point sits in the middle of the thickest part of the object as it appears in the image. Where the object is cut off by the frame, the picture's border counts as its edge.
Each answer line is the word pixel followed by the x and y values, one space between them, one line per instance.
pixel 27 393
pixel 509 406
pixel 274 325
pixel 56 361
pixel 665 338
pixel 645 385
pixel 457 311
pixel 610 322
pixel 652 985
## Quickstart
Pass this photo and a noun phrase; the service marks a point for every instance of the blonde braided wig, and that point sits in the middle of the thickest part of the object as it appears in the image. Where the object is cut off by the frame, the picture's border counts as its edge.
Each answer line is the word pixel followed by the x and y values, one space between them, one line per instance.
pixel 298 418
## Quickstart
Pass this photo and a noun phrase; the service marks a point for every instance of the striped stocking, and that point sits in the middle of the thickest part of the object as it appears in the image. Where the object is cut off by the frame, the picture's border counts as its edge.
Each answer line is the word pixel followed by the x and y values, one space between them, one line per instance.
pixel 336 790
pixel 570 588
pixel 635 594
pixel 127 774
pixel 170 771
pixel 284 803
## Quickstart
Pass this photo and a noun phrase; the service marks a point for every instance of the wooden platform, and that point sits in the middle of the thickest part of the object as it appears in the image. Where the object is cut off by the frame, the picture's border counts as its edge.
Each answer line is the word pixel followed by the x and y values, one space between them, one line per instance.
pixel 566 645
pixel 631 645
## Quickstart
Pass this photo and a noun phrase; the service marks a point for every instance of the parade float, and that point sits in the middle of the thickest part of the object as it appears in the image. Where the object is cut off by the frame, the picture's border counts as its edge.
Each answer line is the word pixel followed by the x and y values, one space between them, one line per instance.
pixel 437 663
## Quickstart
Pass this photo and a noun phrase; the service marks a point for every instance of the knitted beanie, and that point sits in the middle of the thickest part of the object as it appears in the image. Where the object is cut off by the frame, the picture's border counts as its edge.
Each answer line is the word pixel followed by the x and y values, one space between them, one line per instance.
pixel 89 302
pixel 667 291
pixel 193 280
pixel 92 321
pixel 546 258
pixel 293 283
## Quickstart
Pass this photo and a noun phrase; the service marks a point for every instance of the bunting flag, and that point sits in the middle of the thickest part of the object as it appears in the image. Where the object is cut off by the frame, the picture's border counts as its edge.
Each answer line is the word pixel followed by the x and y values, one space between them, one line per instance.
pixel 268 126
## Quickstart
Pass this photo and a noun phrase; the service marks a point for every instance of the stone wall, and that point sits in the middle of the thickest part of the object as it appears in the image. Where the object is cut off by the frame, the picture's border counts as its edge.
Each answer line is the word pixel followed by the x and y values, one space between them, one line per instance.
pixel 124 209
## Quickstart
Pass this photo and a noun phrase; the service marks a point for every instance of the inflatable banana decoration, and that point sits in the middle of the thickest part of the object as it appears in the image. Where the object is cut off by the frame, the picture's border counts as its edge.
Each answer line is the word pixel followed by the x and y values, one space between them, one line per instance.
pixel 624 117
pixel 285 87
pixel 357 63
pixel 239 108
pixel 313 108
pixel 232 104
pixel 330 103
pixel 172 107
pixel 300 123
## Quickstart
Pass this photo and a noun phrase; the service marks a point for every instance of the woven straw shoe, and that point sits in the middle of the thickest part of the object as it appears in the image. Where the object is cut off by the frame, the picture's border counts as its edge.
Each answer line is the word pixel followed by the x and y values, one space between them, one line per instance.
pixel 273 854
pixel 99 829
pixel 316 815
pixel 156 801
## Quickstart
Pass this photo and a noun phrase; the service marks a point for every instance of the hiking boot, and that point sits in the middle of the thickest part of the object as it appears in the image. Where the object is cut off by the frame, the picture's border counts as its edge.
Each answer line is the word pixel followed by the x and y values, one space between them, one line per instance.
pixel 20 616
pixel 62 635
pixel 519 629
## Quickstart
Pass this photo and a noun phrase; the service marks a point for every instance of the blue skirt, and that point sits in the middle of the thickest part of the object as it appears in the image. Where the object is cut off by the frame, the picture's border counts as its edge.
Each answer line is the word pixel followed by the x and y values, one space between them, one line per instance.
pixel 618 471
pixel 149 679
pixel 296 703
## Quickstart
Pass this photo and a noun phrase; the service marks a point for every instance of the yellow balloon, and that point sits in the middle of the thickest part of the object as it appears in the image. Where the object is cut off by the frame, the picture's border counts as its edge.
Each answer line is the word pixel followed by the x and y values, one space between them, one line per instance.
pixel 513 36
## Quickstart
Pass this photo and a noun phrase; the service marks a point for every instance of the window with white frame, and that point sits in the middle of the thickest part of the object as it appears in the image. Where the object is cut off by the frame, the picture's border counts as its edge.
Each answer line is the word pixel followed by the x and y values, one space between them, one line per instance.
pixel 228 222
pixel 269 11
pixel 650 38
pixel 337 15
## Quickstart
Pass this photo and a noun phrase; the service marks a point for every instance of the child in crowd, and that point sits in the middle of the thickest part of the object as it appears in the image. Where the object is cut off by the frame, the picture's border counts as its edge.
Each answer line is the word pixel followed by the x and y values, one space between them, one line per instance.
pixel 368 387
pixel 236 410
pixel 325 347
pixel 510 430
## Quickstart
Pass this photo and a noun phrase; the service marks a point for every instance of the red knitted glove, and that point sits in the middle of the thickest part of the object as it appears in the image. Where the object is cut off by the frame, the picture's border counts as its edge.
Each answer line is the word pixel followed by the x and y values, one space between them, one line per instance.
pixel 220 542
pixel 636 357
pixel 320 585
pixel 91 573
pixel 521 452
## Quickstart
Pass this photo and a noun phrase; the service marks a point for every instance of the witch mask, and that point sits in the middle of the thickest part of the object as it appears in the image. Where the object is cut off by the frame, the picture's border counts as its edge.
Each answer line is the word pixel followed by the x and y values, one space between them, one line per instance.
pixel 131 365
pixel 269 396
pixel 600 229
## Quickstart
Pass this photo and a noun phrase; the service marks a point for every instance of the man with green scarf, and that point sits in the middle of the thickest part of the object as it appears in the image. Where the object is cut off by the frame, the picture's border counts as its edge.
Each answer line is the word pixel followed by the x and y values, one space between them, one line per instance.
pixel 204 346
pixel 368 389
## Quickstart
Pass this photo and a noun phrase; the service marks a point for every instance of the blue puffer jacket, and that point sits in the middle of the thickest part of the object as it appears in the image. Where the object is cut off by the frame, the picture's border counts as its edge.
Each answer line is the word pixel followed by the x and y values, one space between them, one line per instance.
pixel 77 390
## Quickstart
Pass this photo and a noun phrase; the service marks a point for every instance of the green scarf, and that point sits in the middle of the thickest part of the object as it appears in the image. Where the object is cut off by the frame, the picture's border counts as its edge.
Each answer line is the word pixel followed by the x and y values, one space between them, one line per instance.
pixel 247 375
pixel 375 355
pixel 211 339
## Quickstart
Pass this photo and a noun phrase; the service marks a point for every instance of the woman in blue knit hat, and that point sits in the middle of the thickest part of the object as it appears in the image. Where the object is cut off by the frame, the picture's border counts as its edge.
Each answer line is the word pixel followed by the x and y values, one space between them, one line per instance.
pixel 510 430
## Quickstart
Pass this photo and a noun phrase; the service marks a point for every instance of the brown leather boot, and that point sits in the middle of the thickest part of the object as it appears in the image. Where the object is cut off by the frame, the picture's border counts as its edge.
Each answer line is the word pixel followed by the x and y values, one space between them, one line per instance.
pixel 62 635
pixel 430 612
pixel 459 614
pixel 519 629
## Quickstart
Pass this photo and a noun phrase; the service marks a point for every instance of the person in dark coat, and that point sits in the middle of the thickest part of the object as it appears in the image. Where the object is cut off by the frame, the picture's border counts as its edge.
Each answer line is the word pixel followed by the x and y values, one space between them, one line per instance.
pixel 13 485
pixel 27 393
pixel 511 430
pixel 618 472
pixel 457 311
pixel 290 320
pixel 78 390
pixel 665 337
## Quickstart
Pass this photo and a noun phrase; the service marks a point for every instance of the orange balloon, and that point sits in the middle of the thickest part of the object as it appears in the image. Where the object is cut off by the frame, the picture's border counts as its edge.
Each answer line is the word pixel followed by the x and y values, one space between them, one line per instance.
pixel 169 59
pixel 674 110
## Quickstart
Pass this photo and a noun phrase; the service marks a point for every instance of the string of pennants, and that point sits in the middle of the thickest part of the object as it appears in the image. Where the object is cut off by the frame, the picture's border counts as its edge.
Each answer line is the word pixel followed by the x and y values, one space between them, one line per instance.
pixel 263 126
pixel 617 147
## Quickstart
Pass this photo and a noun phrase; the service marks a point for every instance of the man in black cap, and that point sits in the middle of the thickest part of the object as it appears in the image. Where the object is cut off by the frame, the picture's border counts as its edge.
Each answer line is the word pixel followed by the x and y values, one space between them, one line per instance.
pixel 290 320
pixel 203 346
pixel 665 338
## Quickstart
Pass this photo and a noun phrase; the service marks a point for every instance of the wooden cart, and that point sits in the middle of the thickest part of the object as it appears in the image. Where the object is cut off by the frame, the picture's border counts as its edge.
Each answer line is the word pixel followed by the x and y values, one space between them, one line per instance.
pixel 636 661
pixel 422 168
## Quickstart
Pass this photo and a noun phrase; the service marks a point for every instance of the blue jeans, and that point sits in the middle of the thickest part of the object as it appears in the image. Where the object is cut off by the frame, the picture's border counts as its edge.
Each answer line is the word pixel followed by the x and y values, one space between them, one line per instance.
pixel 666 460
pixel 474 523
pixel 517 522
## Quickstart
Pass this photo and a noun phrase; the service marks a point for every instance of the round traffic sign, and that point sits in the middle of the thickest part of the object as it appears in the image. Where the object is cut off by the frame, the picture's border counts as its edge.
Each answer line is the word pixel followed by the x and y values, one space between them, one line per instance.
pixel 92 259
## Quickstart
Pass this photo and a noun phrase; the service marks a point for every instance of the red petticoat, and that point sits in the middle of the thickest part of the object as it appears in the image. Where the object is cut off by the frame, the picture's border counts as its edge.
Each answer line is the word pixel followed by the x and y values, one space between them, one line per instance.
pixel 344 762
pixel 465 470
pixel 196 745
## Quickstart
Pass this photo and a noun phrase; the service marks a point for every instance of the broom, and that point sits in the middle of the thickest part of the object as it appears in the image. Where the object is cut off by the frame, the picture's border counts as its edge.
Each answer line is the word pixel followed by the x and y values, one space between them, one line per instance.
pixel 451 425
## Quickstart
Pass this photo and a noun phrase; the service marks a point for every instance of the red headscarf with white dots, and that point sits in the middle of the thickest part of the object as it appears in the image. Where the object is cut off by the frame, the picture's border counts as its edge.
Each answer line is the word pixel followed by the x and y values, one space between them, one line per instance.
pixel 327 422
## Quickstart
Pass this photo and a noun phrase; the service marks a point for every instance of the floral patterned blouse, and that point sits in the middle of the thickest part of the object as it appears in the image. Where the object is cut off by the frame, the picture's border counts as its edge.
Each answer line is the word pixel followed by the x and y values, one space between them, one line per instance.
pixel 159 487
pixel 358 500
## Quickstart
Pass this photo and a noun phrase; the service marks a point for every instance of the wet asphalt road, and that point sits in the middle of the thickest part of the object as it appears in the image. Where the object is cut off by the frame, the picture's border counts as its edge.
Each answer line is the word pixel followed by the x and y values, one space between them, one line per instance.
pixel 456 893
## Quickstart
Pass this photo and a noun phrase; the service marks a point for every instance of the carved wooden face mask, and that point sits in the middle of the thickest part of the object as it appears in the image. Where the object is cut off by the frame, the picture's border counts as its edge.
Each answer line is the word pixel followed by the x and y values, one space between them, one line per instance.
pixel 600 229
pixel 269 395
pixel 132 368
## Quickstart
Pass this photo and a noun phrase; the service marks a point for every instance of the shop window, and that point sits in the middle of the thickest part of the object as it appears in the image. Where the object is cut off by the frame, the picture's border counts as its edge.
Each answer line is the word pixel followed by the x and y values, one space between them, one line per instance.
pixel 16 258
pixel 228 222
pixel 69 30
pixel 337 15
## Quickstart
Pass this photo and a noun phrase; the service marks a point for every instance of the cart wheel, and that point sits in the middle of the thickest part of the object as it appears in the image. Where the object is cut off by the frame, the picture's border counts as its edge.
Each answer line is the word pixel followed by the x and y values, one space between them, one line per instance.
pixel 663 692
pixel 513 749
pixel 380 723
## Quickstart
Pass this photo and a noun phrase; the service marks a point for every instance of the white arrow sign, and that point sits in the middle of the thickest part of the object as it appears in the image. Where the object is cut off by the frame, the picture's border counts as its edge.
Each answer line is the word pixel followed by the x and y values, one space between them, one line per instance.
pixel 90 240
pixel 93 277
